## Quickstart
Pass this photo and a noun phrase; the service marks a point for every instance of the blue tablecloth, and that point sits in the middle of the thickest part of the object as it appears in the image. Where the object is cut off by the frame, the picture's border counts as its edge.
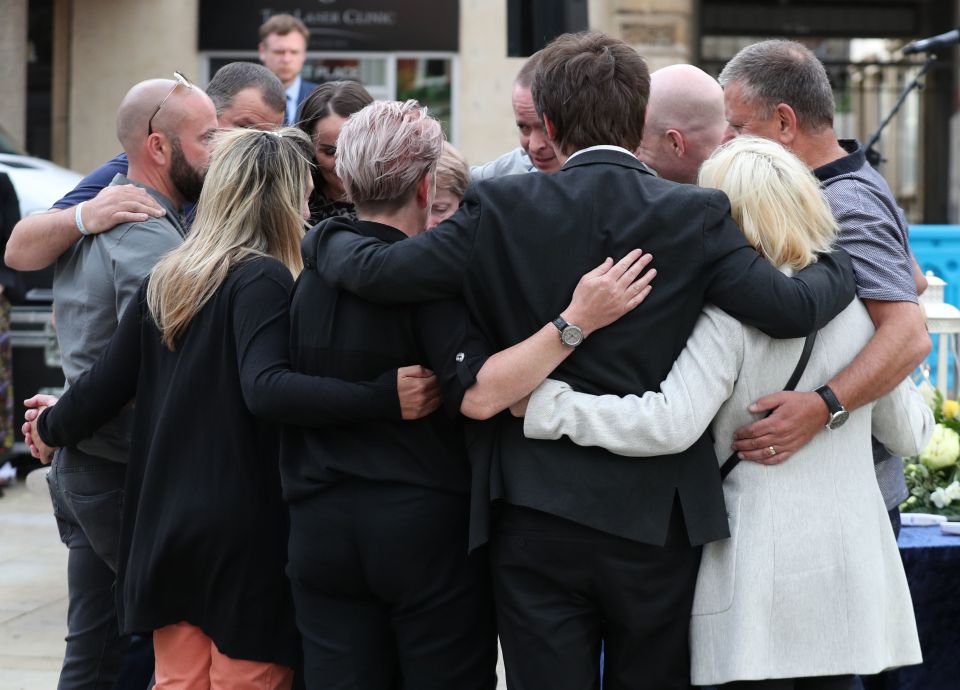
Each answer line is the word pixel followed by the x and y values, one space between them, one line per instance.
pixel 932 562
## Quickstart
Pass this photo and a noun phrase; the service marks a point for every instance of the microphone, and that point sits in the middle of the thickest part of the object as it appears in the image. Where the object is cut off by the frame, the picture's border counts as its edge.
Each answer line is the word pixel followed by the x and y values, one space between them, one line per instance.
pixel 929 45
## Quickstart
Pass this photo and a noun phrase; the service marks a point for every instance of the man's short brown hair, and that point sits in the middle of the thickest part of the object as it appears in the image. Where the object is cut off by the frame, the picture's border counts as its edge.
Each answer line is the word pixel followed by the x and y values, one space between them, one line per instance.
pixel 594 89
pixel 282 24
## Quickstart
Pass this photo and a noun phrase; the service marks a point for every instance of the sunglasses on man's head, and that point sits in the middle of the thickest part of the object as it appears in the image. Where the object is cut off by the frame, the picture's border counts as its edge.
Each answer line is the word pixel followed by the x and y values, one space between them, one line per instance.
pixel 181 81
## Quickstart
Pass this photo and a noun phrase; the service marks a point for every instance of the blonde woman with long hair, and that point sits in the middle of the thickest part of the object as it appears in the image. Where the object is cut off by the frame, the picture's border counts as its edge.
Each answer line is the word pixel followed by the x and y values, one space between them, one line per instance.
pixel 809 590
pixel 205 351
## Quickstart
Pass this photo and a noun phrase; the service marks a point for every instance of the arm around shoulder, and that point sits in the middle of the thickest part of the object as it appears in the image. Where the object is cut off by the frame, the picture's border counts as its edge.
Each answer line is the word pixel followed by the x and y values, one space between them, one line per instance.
pixel 748 287
pixel 428 266
pixel 39 240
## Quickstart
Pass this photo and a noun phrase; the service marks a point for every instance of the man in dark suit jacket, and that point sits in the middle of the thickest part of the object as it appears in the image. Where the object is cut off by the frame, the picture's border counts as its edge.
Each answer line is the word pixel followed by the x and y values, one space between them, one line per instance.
pixel 588 546
pixel 283 50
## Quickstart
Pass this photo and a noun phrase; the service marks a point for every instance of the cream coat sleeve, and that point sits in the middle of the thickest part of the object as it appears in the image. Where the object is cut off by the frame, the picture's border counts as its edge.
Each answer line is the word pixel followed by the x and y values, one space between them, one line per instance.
pixel 902 421
pixel 655 423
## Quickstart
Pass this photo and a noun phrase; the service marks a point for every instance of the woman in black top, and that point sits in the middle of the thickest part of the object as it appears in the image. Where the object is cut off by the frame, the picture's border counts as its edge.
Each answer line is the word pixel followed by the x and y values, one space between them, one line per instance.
pixel 386 594
pixel 205 351
pixel 321 116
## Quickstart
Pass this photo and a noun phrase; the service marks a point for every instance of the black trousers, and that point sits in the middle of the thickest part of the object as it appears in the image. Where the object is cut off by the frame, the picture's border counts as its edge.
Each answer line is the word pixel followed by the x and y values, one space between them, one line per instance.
pixel 815 683
pixel 386 596
pixel 562 588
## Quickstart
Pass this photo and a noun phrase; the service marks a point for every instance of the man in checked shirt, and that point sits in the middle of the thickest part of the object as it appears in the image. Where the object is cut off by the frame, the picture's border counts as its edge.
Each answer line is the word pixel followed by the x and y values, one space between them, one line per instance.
pixel 779 90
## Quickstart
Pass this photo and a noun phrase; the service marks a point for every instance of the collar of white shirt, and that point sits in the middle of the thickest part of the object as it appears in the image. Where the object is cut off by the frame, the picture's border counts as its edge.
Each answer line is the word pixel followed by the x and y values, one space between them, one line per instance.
pixel 601 147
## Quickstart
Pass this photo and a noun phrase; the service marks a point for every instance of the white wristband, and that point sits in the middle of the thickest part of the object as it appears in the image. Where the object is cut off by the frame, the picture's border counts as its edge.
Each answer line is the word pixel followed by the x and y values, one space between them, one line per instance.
pixel 78 219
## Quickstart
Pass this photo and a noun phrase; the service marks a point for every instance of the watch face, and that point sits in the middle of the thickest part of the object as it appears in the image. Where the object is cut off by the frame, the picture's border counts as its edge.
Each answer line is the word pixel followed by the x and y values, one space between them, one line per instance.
pixel 838 418
pixel 572 336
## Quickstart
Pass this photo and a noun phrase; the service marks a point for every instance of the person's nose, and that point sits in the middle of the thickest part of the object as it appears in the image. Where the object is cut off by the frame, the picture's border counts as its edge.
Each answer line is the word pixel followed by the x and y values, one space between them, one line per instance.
pixel 538 139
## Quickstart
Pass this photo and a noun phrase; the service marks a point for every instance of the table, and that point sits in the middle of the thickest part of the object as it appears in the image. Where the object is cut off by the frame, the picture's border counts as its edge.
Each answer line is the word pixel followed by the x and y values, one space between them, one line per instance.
pixel 932 562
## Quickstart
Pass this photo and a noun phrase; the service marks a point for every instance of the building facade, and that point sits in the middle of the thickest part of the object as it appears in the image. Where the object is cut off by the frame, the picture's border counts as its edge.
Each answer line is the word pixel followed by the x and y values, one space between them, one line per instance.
pixel 82 56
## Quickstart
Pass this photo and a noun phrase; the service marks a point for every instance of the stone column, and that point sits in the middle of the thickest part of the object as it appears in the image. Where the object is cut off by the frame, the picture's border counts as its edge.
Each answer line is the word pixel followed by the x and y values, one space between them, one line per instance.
pixel 13 68
pixel 662 31
pixel 113 46
pixel 485 124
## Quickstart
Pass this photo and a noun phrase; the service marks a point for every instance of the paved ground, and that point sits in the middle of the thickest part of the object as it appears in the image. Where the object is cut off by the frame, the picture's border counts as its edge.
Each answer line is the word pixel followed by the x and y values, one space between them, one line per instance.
pixel 33 591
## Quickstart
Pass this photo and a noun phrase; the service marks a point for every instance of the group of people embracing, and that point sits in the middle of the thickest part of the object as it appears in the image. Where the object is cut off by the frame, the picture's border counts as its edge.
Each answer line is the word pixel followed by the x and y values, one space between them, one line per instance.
pixel 370 451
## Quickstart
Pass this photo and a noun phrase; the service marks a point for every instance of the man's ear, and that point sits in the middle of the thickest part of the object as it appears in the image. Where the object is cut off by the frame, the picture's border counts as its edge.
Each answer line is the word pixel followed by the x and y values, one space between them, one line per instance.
pixel 423 190
pixel 156 147
pixel 786 121
pixel 549 128
pixel 677 145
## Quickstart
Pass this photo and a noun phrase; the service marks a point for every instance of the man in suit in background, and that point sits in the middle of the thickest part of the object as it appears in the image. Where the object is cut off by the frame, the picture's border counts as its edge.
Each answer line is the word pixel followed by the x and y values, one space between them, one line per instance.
pixel 283 49
pixel 588 546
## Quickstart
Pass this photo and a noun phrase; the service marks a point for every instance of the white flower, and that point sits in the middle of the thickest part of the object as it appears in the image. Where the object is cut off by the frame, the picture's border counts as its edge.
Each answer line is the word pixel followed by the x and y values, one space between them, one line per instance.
pixel 943 449
pixel 952 492
pixel 939 498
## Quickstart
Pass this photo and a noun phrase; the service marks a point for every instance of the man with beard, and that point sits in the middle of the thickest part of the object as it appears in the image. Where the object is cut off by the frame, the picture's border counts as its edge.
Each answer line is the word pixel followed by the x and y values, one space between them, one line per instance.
pixel 166 128
pixel 245 94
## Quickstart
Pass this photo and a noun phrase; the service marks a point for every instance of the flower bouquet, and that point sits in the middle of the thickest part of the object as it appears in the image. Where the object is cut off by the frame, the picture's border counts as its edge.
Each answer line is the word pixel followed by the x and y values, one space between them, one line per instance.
pixel 933 477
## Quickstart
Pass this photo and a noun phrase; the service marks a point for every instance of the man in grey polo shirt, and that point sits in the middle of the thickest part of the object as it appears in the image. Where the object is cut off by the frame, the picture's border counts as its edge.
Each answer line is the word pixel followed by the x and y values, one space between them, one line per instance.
pixel 779 90
pixel 165 128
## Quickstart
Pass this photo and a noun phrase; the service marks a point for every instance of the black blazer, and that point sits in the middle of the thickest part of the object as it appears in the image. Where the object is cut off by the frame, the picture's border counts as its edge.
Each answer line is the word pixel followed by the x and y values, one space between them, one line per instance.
pixel 515 251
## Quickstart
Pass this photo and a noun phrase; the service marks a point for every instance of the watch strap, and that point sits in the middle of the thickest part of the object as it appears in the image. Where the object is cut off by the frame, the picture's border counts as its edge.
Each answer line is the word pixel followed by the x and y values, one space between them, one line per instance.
pixel 833 405
pixel 560 323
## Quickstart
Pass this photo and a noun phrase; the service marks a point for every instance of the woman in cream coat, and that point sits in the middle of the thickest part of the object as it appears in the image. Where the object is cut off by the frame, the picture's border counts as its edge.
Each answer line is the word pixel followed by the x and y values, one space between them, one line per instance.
pixel 810 583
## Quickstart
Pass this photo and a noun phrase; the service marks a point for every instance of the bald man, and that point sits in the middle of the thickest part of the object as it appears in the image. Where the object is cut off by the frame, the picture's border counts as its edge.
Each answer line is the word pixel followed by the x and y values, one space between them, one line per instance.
pixel 245 95
pixel 684 122
pixel 165 128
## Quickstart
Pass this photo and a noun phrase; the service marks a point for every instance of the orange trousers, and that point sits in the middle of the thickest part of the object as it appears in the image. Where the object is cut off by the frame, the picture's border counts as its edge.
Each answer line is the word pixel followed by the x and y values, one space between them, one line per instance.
pixel 189 660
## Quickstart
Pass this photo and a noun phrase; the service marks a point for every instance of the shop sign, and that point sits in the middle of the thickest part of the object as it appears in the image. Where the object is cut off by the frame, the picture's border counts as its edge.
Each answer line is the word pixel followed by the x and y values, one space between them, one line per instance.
pixel 356 25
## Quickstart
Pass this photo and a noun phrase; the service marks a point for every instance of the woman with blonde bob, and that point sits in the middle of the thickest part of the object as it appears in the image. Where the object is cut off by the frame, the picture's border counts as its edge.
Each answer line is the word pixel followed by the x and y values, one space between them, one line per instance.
pixel 809 589
pixel 204 349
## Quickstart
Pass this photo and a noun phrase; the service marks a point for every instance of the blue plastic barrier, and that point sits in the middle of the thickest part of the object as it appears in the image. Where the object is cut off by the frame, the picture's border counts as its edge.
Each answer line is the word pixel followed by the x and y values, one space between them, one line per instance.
pixel 937 249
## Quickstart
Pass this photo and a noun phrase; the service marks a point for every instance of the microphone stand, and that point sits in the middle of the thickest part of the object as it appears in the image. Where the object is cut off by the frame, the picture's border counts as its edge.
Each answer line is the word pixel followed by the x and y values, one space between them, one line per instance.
pixel 874 157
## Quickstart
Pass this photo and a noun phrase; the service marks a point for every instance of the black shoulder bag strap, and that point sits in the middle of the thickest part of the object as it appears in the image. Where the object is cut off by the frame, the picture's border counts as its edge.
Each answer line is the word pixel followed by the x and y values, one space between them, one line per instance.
pixel 734 459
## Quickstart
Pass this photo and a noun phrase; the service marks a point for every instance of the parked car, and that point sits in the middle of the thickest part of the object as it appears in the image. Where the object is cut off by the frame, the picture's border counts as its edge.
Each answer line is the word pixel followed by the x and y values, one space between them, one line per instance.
pixel 36 357
pixel 39 183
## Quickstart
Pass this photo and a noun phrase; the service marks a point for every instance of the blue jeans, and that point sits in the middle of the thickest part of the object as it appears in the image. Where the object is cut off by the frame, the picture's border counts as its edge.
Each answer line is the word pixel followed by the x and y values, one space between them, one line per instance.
pixel 87 495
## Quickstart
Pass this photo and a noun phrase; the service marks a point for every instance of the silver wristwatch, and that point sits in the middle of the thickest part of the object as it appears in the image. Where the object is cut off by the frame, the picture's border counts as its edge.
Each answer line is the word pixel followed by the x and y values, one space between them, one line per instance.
pixel 570 335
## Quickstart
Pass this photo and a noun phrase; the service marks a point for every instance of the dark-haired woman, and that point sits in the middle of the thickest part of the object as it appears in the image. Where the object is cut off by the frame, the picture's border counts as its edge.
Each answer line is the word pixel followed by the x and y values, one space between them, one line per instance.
pixel 321 116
